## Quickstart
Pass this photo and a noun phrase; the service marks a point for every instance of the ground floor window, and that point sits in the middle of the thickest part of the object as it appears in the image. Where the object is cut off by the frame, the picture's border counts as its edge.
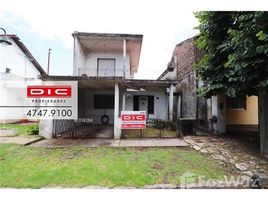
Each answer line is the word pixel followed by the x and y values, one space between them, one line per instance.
pixel 104 101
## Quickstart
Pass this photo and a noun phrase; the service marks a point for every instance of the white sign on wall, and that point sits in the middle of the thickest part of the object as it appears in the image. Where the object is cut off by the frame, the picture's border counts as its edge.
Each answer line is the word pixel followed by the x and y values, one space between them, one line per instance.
pixel 38 100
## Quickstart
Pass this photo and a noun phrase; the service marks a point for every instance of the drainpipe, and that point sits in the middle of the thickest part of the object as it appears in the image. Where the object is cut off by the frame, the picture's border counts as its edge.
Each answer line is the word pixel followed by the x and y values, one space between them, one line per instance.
pixel 171 89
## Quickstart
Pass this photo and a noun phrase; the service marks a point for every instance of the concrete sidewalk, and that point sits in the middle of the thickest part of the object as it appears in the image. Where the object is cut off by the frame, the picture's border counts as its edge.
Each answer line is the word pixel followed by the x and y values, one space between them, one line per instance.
pixel 19 140
pixel 98 142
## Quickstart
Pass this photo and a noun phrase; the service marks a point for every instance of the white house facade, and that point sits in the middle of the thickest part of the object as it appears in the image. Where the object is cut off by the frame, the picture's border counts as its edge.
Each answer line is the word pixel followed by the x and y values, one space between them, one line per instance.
pixel 16 61
pixel 104 66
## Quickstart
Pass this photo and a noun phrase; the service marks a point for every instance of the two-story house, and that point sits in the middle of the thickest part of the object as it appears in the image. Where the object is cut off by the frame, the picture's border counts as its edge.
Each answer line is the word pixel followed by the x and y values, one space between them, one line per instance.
pixel 104 66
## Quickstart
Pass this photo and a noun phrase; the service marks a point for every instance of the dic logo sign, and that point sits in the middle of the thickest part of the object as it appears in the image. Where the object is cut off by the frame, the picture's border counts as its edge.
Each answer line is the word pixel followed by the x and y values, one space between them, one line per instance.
pixel 133 117
pixel 49 91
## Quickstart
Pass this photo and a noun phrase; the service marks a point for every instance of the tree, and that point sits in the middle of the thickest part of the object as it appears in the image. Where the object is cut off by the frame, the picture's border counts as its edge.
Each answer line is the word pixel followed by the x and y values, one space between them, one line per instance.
pixel 235 46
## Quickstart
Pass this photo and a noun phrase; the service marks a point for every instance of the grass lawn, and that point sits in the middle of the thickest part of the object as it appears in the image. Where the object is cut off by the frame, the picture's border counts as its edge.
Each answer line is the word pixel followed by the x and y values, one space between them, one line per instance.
pixel 24 166
pixel 21 129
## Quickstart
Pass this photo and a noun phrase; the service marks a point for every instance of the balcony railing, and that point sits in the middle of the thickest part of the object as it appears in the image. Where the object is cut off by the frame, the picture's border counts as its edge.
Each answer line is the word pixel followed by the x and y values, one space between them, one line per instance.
pixel 102 72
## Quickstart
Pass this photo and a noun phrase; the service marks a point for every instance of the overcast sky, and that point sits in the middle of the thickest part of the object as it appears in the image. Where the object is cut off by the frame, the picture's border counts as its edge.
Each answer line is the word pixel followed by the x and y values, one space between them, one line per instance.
pixel 49 24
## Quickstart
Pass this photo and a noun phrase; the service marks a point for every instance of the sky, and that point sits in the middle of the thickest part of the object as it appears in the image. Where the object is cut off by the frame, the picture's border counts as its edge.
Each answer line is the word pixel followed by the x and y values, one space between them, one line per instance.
pixel 49 24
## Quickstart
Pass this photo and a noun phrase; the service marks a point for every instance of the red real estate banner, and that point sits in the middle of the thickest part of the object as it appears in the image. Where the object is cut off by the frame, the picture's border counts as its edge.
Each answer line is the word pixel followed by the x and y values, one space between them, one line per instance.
pixel 41 91
pixel 133 120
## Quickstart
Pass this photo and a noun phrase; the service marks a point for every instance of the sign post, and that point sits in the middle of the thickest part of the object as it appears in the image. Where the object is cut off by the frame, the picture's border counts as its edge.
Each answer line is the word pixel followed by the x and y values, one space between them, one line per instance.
pixel 133 120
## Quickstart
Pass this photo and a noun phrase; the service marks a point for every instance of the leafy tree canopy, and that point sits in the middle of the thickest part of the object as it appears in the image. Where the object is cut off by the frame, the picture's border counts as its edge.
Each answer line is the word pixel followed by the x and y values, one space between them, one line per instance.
pixel 235 46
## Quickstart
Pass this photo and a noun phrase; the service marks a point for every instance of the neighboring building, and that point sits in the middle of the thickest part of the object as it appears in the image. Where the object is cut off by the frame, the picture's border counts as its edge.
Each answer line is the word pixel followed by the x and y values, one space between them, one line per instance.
pixel 16 64
pixel 104 66
pixel 234 114
pixel 180 68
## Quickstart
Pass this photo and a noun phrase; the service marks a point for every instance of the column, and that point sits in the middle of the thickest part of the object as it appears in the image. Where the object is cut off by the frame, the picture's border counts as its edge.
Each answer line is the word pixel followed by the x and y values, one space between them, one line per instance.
pixel 179 107
pixel 124 101
pixel 117 128
pixel 218 110
pixel 46 128
pixel 124 56
pixel 171 102
pixel 209 113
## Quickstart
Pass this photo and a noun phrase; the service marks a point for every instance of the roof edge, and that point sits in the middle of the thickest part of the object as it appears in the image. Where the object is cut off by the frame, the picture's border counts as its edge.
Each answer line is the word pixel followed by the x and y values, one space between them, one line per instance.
pixel 26 51
pixel 123 35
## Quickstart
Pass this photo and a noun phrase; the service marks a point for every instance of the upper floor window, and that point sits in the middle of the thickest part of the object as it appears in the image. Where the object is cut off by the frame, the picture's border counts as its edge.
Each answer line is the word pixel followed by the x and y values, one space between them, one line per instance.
pixel 237 103
pixel 106 67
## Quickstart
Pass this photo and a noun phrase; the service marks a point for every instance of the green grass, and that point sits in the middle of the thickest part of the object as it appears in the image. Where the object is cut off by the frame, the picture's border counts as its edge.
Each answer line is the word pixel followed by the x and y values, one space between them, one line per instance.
pixel 21 129
pixel 29 167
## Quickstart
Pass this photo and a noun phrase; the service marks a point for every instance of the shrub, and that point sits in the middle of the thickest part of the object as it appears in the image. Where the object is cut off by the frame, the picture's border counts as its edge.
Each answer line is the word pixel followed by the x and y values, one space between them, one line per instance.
pixel 33 130
pixel 160 124
pixel 171 126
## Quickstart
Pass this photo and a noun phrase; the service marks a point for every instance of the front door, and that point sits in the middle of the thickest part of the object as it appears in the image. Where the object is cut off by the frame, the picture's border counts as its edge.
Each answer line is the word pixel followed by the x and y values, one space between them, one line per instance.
pixel 143 103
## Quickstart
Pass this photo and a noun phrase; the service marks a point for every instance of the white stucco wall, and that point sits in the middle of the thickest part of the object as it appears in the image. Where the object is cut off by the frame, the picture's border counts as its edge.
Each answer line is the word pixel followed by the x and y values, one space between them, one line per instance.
pixel 91 63
pixel 11 56
pixel 160 105
pixel 87 62
pixel 87 110
pixel 78 57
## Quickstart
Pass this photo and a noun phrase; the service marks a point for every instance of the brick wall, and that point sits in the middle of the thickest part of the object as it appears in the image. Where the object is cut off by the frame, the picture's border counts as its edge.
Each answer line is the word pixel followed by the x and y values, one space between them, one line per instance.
pixel 185 55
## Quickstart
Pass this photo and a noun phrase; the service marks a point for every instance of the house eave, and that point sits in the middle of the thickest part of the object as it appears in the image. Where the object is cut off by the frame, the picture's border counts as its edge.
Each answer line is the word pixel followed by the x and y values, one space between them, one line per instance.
pixel 109 35
pixel 126 82
pixel 169 69
pixel 77 78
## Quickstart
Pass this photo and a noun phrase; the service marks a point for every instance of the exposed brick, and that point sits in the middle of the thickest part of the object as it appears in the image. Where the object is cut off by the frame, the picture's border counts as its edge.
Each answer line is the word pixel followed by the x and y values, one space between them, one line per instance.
pixel 185 55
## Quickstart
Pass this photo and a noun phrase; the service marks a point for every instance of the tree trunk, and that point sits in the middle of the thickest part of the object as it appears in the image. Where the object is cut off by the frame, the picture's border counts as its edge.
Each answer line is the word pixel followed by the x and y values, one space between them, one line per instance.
pixel 263 121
